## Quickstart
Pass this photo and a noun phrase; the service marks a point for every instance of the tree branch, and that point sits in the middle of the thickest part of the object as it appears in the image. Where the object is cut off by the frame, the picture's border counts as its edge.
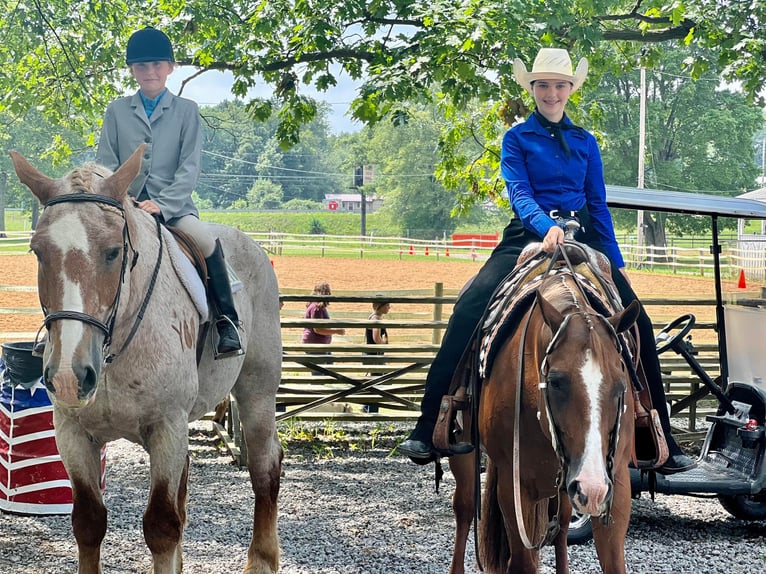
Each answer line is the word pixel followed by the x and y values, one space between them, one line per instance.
pixel 676 33
pixel 341 54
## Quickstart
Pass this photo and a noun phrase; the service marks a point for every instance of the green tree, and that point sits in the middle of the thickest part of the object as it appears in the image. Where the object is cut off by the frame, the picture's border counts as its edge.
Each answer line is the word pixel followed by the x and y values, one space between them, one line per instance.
pixel 404 155
pixel 51 148
pixel 265 194
pixel 237 151
pixel 699 136
pixel 66 56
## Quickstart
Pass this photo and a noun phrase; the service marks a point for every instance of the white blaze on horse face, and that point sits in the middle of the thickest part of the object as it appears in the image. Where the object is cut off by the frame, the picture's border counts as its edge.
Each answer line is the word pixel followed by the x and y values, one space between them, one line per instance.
pixel 69 234
pixel 592 473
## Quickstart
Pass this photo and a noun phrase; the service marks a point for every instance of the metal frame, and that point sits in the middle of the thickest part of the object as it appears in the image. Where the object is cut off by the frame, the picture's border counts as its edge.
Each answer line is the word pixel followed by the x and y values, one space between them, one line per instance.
pixel 713 206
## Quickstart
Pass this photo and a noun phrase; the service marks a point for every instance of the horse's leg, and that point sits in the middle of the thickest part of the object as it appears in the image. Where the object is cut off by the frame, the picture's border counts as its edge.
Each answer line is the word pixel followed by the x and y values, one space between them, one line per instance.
pixel 165 514
pixel 560 542
pixel 610 540
pixel 463 505
pixel 523 560
pixel 82 460
pixel 264 463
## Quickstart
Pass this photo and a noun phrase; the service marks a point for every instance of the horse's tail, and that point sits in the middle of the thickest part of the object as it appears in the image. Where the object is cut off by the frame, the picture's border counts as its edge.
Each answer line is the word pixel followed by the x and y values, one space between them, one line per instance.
pixel 494 550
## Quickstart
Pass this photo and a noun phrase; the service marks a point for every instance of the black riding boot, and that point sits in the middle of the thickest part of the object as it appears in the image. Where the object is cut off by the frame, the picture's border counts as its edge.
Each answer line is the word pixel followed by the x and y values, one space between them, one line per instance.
pixel 227 320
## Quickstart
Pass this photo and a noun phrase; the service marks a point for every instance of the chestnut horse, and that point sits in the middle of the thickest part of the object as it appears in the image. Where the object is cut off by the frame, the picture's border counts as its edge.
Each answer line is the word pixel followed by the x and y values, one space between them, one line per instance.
pixel 121 357
pixel 550 419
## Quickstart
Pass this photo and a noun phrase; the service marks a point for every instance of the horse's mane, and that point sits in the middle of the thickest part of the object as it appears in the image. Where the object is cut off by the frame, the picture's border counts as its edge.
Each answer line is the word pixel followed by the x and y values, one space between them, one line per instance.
pixel 562 291
pixel 81 179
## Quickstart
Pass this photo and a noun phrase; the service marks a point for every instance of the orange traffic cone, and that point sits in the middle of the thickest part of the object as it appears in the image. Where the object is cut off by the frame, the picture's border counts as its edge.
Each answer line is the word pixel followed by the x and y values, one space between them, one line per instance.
pixel 426 249
pixel 412 251
pixel 446 251
pixel 741 284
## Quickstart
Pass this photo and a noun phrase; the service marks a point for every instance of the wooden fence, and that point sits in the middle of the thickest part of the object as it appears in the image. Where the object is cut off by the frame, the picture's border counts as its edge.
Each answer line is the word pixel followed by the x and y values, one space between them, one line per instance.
pixel 352 383
pixel 355 383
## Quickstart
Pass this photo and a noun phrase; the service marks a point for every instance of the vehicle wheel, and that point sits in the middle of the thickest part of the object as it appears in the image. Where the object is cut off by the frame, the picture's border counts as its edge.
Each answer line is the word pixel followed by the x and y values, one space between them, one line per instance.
pixel 580 529
pixel 745 507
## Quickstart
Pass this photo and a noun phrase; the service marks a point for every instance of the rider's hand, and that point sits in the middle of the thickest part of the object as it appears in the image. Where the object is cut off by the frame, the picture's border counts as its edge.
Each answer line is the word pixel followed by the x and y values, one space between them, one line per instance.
pixel 148 206
pixel 554 237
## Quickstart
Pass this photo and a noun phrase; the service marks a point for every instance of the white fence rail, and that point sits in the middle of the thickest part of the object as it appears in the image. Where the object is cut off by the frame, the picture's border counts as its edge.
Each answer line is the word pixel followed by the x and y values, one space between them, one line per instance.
pixel 748 253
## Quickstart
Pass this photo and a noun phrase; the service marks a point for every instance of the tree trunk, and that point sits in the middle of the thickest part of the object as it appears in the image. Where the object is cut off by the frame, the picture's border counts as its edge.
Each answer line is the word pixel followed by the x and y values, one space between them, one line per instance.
pixel 654 233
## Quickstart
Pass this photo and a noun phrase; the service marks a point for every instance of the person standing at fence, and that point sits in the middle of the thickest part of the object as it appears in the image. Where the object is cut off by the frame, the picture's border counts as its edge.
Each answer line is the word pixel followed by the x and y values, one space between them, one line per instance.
pixel 553 171
pixel 318 310
pixel 170 127
pixel 376 336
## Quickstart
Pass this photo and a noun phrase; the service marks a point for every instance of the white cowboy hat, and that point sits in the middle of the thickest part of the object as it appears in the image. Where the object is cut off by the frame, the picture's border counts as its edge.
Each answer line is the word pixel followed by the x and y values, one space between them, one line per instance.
pixel 550 64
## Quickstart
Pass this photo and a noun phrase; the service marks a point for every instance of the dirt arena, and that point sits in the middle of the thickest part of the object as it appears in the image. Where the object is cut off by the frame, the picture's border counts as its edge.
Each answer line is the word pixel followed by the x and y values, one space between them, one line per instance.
pixel 299 274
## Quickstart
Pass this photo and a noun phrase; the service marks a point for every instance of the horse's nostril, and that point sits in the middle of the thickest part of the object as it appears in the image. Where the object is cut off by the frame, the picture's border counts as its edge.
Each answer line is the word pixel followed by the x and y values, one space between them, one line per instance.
pixel 47 381
pixel 574 492
pixel 89 381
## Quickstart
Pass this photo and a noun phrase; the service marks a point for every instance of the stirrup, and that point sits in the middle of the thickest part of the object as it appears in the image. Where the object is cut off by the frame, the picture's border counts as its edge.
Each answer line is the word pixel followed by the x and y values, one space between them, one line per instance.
pixel 447 429
pixel 217 354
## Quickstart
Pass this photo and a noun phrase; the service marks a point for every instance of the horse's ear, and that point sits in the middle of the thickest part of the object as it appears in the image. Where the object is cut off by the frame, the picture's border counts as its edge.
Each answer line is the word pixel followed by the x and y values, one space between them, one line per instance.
pixel 117 184
pixel 625 318
pixel 41 186
pixel 553 317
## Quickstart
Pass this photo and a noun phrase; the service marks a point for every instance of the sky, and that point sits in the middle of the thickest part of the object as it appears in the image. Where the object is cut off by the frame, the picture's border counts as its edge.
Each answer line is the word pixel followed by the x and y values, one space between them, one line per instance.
pixel 213 87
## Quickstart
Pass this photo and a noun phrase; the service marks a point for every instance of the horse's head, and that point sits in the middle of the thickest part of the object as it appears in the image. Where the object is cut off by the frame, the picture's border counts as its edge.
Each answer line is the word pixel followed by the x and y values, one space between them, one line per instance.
pixel 81 249
pixel 584 393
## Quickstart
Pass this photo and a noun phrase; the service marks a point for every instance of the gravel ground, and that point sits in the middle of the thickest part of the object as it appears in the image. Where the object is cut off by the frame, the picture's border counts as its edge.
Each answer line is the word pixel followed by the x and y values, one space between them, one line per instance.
pixel 347 505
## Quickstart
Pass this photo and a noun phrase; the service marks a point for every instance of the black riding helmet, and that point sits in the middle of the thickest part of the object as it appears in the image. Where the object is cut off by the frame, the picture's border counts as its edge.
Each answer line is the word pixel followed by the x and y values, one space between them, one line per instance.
pixel 149 45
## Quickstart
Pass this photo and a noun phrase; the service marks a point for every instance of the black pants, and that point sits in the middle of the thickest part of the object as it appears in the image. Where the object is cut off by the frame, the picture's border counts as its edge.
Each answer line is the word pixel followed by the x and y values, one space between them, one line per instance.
pixel 470 306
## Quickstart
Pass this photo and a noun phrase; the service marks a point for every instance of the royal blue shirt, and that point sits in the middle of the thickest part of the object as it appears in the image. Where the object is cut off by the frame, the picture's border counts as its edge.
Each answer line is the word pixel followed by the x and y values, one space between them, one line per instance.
pixel 540 178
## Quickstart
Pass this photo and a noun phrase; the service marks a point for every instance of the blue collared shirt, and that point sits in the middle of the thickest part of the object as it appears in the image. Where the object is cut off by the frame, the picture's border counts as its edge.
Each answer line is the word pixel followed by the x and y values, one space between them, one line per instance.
pixel 540 178
pixel 150 105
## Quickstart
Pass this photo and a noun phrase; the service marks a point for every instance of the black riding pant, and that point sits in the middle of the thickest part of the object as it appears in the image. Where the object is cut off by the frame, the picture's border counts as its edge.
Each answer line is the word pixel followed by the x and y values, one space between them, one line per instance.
pixel 470 306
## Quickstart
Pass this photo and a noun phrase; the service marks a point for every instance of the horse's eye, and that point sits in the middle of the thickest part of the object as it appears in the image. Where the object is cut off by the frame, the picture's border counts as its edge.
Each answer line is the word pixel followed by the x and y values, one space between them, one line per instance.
pixel 112 254
pixel 557 381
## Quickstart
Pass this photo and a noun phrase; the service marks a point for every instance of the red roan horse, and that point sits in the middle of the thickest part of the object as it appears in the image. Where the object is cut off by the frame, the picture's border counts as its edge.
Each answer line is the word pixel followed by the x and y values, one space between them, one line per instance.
pixel 551 422
pixel 121 358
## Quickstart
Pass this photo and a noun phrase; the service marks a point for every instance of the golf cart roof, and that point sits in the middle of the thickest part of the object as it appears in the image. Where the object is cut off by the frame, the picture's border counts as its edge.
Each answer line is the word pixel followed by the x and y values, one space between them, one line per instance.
pixel 684 202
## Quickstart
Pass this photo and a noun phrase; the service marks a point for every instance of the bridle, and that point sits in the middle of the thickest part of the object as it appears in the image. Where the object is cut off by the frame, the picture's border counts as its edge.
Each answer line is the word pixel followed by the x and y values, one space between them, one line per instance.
pixel 553 525
pixel 107 326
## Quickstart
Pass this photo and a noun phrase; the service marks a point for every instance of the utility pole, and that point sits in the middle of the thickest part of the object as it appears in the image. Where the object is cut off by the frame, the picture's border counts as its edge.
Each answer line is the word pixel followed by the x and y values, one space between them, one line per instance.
pixel 641 152
pixel 359 186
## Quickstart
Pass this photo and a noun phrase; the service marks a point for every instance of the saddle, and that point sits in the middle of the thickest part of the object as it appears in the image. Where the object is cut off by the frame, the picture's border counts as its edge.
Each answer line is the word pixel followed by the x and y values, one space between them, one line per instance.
pixel 511 300
pixel 192 251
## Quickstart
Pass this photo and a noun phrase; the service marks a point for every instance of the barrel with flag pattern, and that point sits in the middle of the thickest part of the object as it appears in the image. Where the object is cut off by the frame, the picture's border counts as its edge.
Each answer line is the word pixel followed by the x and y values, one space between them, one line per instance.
pixel 32 477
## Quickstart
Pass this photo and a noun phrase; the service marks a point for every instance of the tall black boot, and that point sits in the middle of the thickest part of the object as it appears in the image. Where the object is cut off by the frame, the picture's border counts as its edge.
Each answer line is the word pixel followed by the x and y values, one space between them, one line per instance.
pixel 227 320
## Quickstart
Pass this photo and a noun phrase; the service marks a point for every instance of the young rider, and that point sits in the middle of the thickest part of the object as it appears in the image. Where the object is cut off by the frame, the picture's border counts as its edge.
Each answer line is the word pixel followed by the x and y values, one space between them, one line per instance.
pixel 170 126
pixel 551 168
